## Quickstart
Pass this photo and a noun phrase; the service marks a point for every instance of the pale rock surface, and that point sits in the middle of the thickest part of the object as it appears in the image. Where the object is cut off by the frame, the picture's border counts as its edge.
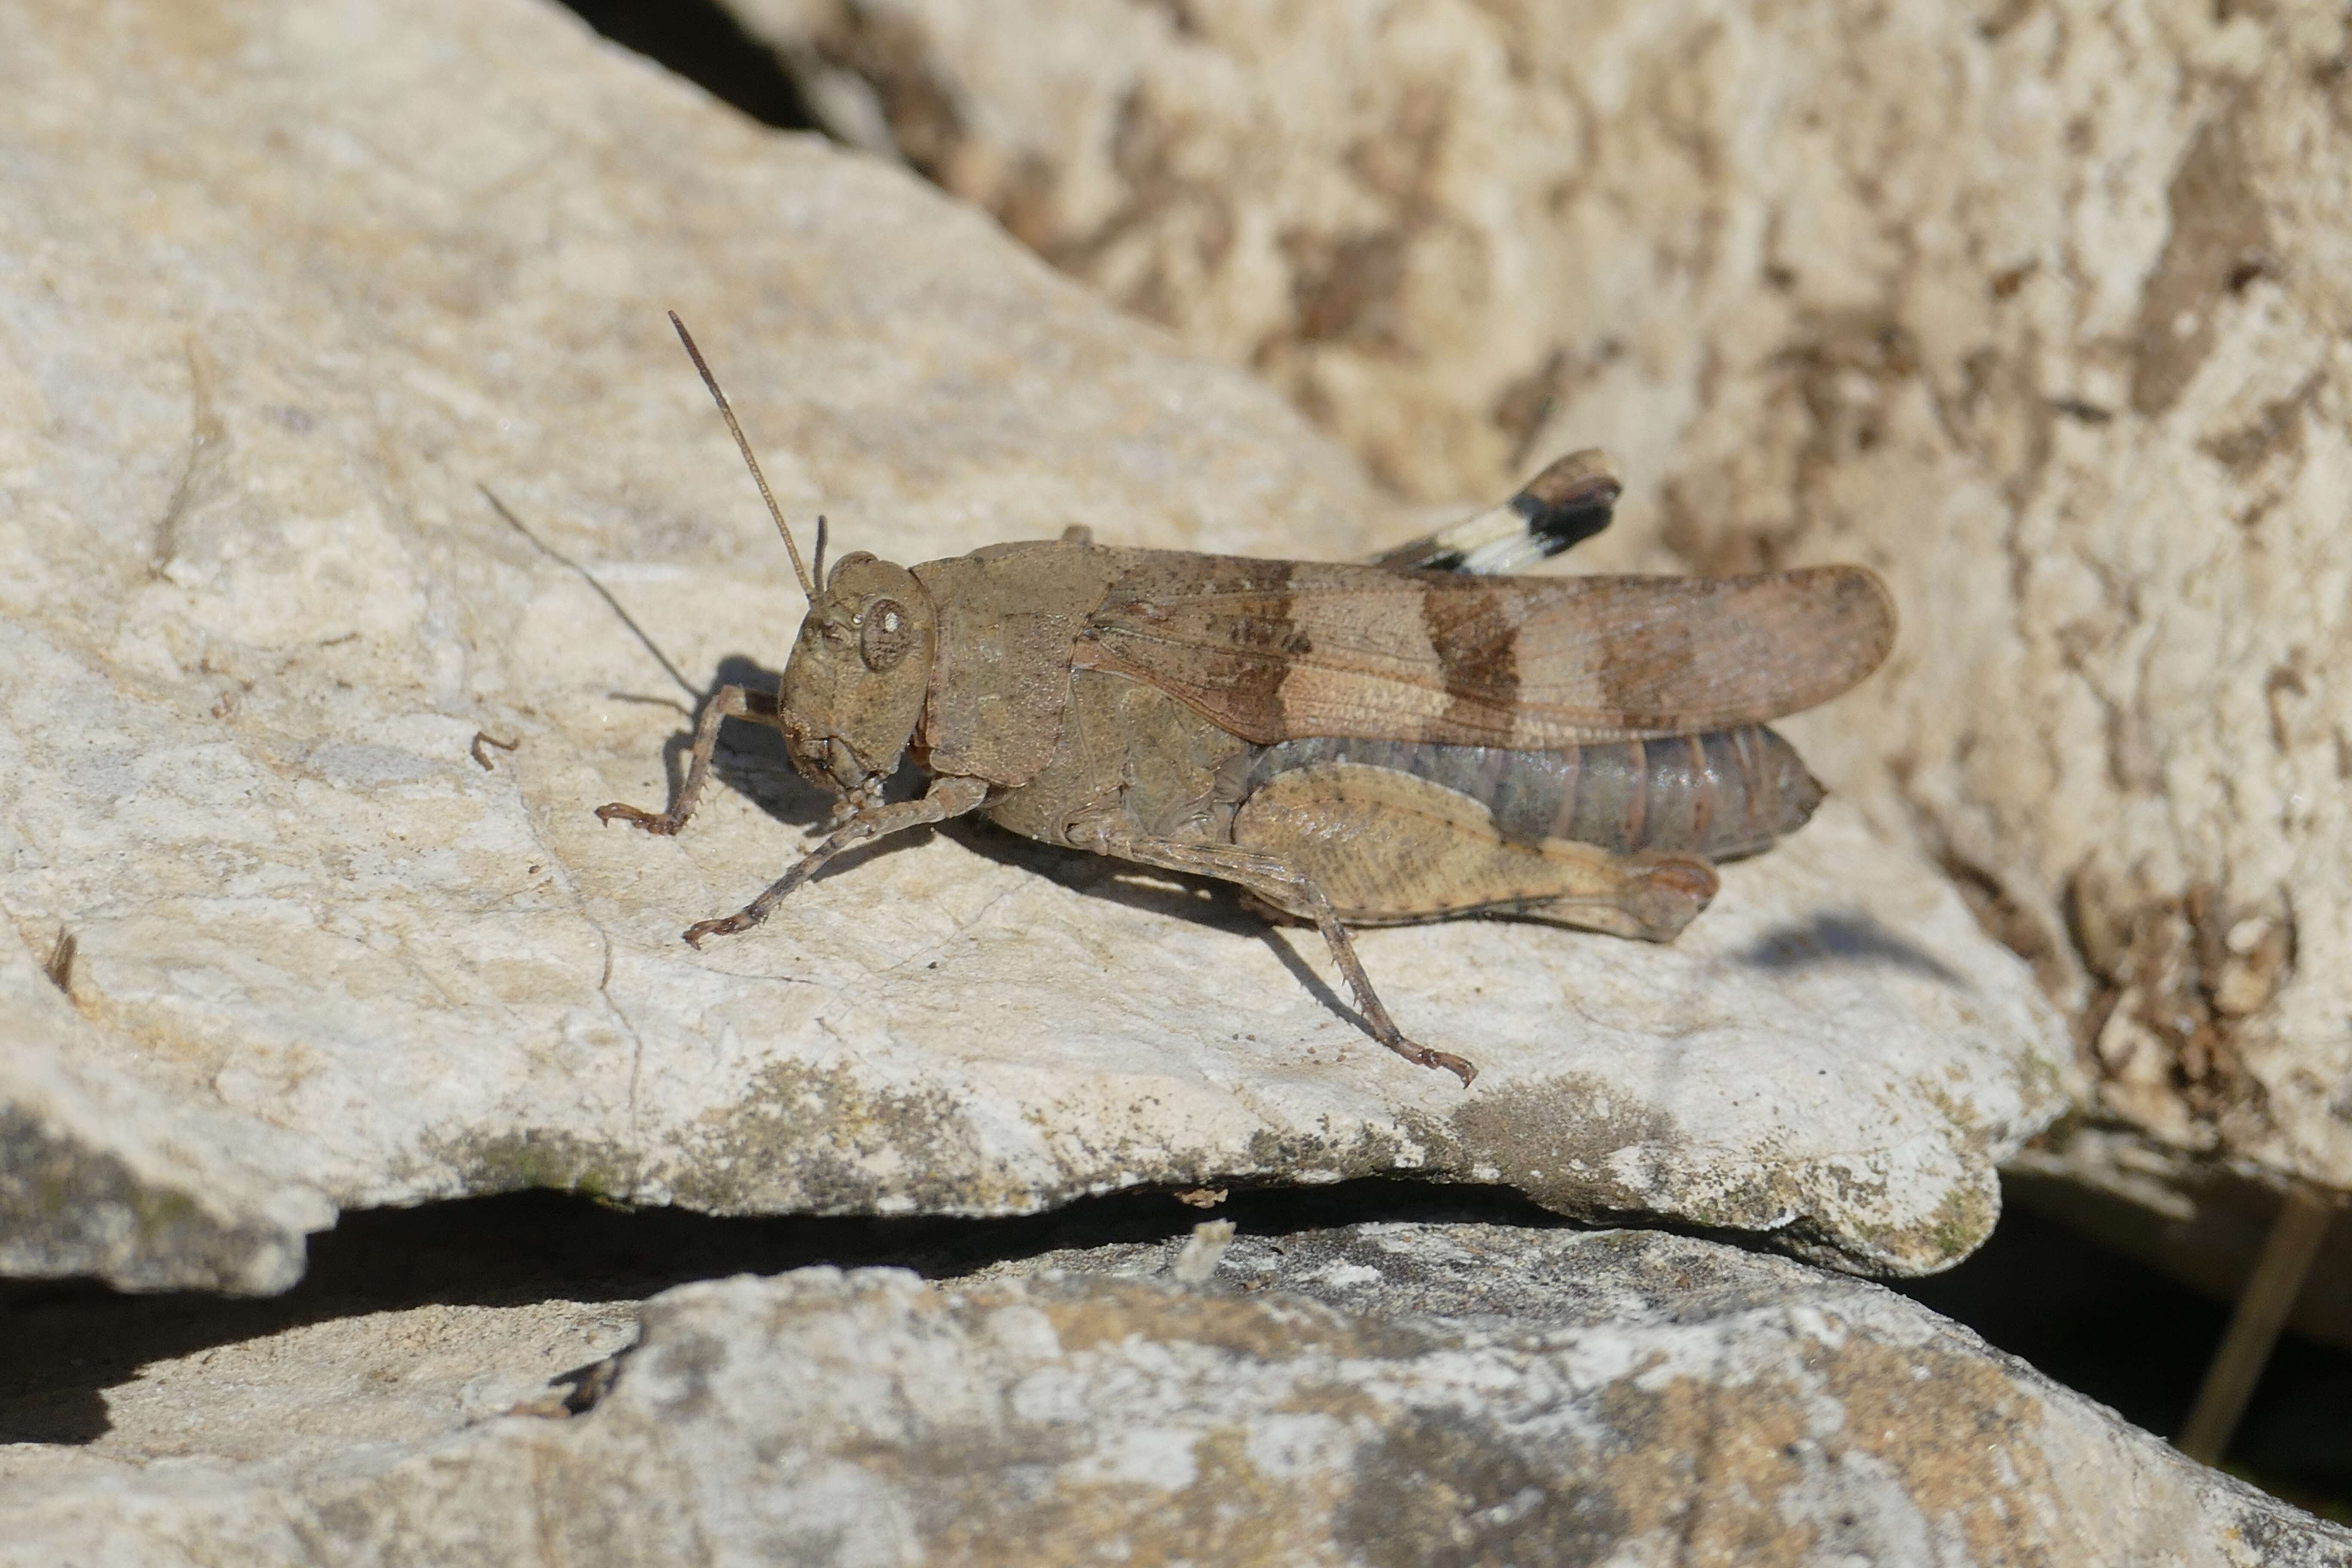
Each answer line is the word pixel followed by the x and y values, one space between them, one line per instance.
pixel 2039 309
pixel 288 292
pixel 1385 1393
pixel 318 1395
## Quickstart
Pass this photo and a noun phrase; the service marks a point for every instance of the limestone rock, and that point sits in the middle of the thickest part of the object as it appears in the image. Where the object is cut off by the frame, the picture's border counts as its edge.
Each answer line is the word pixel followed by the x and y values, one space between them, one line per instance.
pixel 343 447
pixel 306 1395
pixel 1389 1393
pixel 2041 310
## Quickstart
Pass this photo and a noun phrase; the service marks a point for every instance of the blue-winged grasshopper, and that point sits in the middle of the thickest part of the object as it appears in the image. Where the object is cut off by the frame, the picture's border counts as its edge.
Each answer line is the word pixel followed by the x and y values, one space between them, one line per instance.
pixel 1400 740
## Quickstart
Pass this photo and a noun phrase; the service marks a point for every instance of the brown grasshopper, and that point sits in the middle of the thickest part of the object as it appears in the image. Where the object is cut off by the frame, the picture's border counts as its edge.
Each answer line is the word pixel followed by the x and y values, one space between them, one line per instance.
pixel 1402 741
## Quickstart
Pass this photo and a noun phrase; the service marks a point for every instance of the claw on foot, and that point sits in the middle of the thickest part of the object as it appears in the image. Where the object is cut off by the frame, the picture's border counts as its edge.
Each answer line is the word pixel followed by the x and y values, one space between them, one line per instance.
pixel 1381 1028
pixel 1460 1067
pixel 651 821
pixel 1422 1056
pixel 727 925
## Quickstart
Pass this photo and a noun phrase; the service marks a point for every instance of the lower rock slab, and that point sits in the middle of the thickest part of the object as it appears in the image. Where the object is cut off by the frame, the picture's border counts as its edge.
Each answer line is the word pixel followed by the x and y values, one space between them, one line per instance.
pixel 1374 1395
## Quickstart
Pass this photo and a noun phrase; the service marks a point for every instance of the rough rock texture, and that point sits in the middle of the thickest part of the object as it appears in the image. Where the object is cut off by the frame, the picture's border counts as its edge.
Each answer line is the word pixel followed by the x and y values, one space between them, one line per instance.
pixel 2039 308
pixel 342 446
pixel 316 1394
pixel 105 1172
pixel 1390 1393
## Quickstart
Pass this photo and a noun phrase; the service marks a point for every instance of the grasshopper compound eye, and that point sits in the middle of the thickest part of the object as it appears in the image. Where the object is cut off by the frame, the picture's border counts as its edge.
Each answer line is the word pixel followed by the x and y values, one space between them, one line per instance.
pixel 885 636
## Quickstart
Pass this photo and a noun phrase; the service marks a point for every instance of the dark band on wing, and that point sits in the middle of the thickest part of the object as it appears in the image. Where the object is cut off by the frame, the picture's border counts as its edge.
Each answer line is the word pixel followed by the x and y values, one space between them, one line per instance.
pixel 1277 650
pixel 1257 683
pixel 1476 643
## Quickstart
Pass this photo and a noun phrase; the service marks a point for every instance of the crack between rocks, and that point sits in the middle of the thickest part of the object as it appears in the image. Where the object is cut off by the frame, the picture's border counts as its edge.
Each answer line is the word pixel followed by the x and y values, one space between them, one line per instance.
pixel 207 435
pixel 564 878
pixel 846 995
pixel 978 916
pixel 636 1040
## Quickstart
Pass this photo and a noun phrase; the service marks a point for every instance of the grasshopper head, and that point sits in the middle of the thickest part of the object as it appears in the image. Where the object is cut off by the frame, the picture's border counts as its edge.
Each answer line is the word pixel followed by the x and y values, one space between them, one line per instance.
pixel 854 687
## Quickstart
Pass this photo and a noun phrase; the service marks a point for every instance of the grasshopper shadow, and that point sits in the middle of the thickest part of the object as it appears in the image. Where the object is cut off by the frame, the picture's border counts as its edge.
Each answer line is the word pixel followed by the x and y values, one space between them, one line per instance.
pixel 1203 900
pixel 750 757
pixel 1846 938
pixel 750 760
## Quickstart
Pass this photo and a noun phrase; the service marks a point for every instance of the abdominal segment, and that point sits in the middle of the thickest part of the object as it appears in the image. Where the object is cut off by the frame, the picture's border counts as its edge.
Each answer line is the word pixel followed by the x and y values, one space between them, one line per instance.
pixel 1389 848
pixel 1614 837
pixel 1714 796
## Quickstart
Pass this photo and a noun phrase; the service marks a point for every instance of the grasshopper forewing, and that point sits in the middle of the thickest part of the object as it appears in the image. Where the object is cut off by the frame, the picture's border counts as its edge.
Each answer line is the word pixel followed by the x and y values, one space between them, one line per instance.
pixel 1405 740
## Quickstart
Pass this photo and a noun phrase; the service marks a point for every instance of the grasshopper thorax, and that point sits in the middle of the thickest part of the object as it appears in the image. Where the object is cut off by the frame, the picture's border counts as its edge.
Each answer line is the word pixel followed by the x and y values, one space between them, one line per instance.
pixel 855 686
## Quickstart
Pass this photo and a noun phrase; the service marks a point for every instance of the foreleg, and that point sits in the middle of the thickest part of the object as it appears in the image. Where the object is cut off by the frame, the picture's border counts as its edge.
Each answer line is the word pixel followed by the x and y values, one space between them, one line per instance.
pixel 727 702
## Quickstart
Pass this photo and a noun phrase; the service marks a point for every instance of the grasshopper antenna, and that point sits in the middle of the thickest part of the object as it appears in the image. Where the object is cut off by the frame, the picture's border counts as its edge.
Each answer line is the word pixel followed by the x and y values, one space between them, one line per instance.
pixel 819 566
pixel 752 462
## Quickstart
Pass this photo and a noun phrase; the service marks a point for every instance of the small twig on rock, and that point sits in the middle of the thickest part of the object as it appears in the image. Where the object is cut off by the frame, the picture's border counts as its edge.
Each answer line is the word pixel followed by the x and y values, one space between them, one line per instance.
pixel 59 968
pixel 1203 1249
pixel 2262 1308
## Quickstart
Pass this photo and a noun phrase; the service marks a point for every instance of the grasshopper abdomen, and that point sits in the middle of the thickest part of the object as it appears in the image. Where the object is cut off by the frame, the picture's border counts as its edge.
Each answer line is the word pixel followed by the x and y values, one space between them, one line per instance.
pixel 1716 796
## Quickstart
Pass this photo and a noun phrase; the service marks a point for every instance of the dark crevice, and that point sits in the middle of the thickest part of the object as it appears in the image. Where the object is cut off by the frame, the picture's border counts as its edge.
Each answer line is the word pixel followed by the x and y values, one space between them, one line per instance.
pixel 699 40
pixel 2088 1316
pixel 2110 1327
pixel 69 1340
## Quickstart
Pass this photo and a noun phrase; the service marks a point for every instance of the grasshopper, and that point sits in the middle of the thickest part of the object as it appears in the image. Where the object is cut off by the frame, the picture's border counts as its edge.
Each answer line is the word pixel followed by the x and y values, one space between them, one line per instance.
pixel 1409 738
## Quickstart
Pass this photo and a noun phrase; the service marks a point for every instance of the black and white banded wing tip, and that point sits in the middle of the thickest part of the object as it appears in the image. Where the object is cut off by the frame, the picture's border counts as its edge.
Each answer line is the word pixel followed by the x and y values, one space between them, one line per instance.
pixel 1569 502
